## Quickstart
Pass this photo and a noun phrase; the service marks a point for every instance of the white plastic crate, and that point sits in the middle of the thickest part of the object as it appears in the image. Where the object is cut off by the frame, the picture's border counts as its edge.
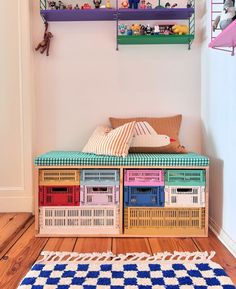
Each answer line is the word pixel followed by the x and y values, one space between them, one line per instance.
pixel 184 196
pixel 99 195
pixel 79 220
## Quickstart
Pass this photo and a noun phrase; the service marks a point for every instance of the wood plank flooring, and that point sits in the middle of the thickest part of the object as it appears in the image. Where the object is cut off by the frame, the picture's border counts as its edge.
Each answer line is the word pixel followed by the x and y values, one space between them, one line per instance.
pixel 19 248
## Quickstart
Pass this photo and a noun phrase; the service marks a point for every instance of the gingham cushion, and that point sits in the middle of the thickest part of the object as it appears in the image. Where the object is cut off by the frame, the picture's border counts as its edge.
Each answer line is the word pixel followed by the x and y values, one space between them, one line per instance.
pixel 73 158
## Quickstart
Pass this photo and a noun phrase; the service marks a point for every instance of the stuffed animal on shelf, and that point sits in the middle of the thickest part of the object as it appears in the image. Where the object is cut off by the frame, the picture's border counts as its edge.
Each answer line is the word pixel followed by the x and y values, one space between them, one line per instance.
pixel 149 5
pixel 86 6
pixel 142 30
pixel 69 7
pixel 143 4
pixel 180 29
pixel 125 4
pixel 133 4
pixel 122 28
pixel 53 5
pixel 97 3
pixel 45 44
pixel 227 16
pixel 76 7
pixel 156 29
pixel 149 30
pixel 135 29
pixel 61 5
pixel 167 5
pixel 108 4
pixel 189 4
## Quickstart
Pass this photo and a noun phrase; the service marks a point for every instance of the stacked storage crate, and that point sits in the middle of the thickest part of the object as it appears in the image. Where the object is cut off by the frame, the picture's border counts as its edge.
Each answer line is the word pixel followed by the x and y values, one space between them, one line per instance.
pixel 182 212
pixel 100 199
pixel 143 196
pixel 79 201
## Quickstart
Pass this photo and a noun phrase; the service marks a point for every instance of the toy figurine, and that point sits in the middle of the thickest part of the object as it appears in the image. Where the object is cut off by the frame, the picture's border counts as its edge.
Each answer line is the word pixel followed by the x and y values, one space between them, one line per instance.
pixel 167 30
pixel 180 29
pixel 45 44
pixel 136 29
pixel 167 5
pixel 76 7
pixel 156 30
pixel 61 5
pixel 149 5
pixel 97 3
pixel 125 4
pixel 143 4
pixel 227 16
pixel 86 6
pixel 149 30
pixel 133 4
pixel 69 7
pixel 142 30
pixel 189 4
pixel 53 5
pixel 129 32
pixel 122 28
pixel 108 4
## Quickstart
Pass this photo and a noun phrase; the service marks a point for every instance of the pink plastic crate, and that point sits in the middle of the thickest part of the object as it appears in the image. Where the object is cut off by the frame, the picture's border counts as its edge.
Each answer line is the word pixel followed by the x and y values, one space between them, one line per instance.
pixel 99 195
pixel 142 178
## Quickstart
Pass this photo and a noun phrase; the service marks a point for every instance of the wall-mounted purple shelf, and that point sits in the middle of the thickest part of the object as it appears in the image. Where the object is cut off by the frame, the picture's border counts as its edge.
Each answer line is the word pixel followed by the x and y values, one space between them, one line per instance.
pixel 123 14
pixel 101 14
pixel 155 14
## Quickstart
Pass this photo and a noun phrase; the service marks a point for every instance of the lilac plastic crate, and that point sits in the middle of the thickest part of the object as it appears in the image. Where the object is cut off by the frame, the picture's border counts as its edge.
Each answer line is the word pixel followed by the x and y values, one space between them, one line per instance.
pixel 99 195
pixel 149 178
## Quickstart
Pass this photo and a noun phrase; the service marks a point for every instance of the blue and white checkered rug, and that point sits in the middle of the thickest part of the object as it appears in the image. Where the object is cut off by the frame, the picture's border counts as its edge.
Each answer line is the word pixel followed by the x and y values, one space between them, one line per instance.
pixel 63 270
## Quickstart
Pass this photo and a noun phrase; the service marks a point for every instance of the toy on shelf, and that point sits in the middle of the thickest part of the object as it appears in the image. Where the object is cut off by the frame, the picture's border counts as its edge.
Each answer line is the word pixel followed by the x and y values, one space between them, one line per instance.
pixel 76 7
pixel 149 5
pixel 129 32
pixel 156 30
pixel 69 7
pixel 142 30
pixel 227 16
pixel 149 30
pixel 45 44
pixel 133 4
pixel 122 28
pixel 135 29
pixel 166 29
pixel 124 4
pixel 143 4
pixel 167 5
pixel 86 6
pixel 189 4
pixel 180 29
pixel 61 5
pixel 108 4
pixel 97 3
pixel 53 5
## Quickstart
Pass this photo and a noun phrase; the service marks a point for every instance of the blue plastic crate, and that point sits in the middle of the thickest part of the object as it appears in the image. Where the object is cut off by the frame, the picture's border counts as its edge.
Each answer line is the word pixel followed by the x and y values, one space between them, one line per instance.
pixel 94 177
pixel 144 196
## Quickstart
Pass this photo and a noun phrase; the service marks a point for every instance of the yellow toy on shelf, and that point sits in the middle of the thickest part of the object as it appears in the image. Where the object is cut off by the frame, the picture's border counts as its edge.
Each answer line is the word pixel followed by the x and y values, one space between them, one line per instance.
pixel 180 29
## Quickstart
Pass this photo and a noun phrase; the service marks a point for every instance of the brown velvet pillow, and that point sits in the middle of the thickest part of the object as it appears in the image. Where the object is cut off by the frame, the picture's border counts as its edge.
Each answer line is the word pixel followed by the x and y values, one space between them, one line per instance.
pixel 169 126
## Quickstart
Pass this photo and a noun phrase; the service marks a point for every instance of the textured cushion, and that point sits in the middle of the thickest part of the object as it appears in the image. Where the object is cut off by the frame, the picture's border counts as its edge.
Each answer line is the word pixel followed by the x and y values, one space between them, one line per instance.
pixel 113 142
pixel 75 158
pixel 168 126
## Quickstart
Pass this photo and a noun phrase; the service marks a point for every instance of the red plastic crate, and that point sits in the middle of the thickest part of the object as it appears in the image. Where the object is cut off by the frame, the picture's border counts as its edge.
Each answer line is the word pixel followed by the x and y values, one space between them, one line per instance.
pixel 59 195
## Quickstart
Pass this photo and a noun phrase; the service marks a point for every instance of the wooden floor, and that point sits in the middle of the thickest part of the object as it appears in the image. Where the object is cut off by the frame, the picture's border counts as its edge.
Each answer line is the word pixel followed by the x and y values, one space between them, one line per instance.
pixel 19 248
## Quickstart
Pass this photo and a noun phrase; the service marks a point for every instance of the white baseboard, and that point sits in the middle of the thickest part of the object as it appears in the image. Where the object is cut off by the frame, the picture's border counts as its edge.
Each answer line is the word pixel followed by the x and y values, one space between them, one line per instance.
pixel 220 233
pixel 16 204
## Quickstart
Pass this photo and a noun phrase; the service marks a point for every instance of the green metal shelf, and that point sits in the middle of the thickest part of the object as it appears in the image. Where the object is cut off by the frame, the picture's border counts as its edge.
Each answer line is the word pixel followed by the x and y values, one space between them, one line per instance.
pixel 155 39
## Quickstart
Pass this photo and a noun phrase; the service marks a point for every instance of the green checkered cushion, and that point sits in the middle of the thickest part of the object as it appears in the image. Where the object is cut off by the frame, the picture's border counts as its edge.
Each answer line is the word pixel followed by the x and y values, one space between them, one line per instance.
pixel 72 158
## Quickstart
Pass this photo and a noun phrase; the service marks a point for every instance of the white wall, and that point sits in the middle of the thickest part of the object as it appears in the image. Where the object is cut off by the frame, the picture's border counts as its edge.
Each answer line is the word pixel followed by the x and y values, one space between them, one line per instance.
pixel 85 80
pixel 219 137
pixel 15 108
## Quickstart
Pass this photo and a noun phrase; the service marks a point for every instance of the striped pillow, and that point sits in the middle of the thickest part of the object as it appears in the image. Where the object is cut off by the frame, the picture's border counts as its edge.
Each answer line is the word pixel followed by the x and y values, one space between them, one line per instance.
pixel 108 141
